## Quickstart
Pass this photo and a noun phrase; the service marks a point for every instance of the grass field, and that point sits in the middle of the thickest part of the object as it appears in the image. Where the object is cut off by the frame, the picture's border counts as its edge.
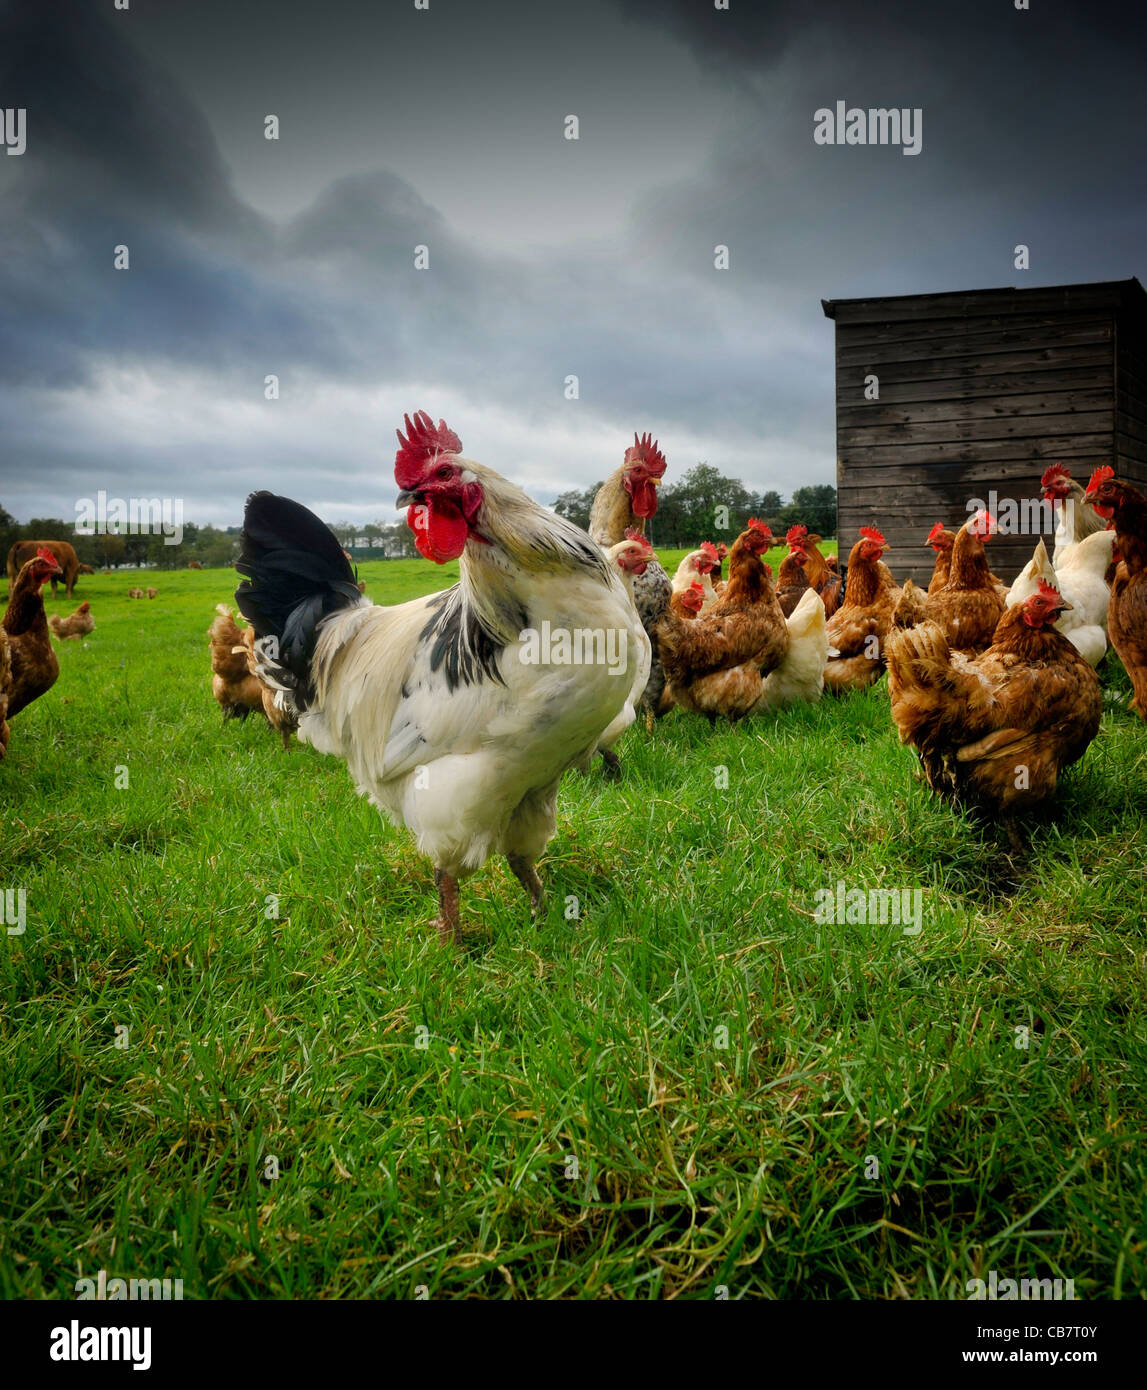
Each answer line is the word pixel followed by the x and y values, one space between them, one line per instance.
pixel 691 1085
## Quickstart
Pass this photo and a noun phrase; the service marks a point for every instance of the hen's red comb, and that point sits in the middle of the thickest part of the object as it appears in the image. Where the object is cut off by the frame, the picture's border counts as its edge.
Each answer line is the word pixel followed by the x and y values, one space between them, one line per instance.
pixel 423 443
pixel 936 532
pixel 1053 471
pixel 722 550
pixel 1100 476
pixel 1047 590
pixel 633 534
pixel 761 526
pixel 644 450
pixel 43 553
pixel 698 586
pixel 983 524
pixel 872 534
pixel 709 549
pixel 795 534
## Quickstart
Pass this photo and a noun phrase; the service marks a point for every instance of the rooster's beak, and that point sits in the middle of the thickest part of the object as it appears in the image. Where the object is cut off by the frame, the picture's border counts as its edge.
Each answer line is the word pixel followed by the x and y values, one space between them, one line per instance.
pixel 405 499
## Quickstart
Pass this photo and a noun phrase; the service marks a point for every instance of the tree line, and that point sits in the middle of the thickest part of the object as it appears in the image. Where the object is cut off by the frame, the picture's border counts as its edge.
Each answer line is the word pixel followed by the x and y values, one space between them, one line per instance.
pixel 703 505
pixel 694 509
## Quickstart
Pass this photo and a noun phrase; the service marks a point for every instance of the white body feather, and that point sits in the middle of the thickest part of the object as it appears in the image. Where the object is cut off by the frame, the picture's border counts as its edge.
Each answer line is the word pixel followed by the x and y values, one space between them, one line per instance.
pixel 474 770
pixel 800 675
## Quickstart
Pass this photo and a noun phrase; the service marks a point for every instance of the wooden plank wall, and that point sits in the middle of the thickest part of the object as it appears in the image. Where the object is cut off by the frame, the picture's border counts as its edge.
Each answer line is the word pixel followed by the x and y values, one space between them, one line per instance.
pixel 980 391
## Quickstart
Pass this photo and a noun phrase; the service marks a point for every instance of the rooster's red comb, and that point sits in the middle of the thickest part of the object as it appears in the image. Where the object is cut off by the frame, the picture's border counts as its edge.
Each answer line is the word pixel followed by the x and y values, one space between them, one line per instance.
pixel 644 450
pixel 872 534
pixel 983 524
pixel 1054 471
pixel 422 444
pixel 795 534
pixel 936 532
pixel 1099 477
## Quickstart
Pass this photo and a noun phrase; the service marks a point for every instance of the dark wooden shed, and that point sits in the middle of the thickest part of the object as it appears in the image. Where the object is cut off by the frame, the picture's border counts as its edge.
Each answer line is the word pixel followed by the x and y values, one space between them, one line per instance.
pixel 981 390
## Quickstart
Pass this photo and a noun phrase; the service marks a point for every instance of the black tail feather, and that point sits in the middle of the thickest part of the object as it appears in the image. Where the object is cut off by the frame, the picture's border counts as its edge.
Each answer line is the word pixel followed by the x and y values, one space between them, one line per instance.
pixel 297 576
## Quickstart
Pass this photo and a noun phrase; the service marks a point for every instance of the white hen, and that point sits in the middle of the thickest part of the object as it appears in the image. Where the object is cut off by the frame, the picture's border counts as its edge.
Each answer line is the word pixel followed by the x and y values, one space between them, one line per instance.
pixel 800 675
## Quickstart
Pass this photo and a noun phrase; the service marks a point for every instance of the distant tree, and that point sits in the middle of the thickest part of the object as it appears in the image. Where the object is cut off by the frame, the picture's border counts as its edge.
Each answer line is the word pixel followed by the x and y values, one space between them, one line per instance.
pixel 575 506
pixel 814 507
pixel 111 550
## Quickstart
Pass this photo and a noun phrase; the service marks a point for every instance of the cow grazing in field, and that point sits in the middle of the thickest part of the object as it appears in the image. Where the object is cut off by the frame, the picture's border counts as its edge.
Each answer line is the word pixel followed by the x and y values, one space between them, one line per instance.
pixel 64 553
pixel 194 565
pixel 151 593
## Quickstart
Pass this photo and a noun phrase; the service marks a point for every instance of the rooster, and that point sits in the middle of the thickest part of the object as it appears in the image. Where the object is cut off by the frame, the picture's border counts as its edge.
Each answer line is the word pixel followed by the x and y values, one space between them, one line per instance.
pixel 859 626
pixel 452 712
pixel 1125 508
pixel 77 624
pixel 970 604
pixel 1075 517
pixel 29 667
pixel 996 730
pixel 627 500
pixel 717 663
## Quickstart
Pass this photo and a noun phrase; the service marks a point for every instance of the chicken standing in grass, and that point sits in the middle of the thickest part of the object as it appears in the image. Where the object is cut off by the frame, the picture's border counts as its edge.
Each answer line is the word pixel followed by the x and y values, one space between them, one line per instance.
pixel 624 502
pixel 1075 517
pixel 970 604
pixel 1125 508
pixel 29 667
pixel 455 713
pixel 716 664
pixel 995 730
pixel 698 566
pixel 77 624
pixel 856 631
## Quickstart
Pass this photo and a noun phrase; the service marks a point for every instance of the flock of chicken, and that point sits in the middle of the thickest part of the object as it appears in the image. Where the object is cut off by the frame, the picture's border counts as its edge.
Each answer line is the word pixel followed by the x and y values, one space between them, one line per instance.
pixel 454 727
pixel 450 728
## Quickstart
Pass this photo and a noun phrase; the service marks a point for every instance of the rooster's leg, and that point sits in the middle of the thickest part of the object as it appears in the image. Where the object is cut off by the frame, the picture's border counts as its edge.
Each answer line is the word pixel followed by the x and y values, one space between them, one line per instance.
pixel 524 871
pixel 449 927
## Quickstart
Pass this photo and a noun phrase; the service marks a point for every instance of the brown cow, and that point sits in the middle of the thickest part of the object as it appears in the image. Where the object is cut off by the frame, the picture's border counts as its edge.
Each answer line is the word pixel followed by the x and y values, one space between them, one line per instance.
pixel 194 565
pixel 65 555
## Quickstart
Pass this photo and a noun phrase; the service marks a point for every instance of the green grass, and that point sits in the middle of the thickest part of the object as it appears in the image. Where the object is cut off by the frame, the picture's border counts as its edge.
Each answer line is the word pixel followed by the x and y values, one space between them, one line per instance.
pixel 425 1108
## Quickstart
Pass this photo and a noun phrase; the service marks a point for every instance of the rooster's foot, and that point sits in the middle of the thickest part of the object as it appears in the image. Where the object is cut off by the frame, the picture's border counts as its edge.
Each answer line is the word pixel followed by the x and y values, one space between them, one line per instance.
pixel 447 921
pixel 611 764
pixel 524 871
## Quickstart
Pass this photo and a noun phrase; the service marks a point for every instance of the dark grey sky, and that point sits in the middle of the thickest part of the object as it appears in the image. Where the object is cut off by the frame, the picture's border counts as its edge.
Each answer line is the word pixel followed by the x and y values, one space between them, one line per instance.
pixel 547 257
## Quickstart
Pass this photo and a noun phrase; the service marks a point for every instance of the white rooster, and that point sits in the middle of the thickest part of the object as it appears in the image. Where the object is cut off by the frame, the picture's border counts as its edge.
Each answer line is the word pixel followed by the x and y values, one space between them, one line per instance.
pixel 458 713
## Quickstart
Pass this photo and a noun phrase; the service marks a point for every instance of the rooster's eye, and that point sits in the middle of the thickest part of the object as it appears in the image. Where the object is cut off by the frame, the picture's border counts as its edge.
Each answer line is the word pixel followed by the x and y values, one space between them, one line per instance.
pixel 444 472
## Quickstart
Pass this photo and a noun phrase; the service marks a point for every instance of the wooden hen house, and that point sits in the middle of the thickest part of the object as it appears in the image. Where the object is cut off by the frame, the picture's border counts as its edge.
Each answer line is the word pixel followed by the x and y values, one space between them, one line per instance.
pixel 980 391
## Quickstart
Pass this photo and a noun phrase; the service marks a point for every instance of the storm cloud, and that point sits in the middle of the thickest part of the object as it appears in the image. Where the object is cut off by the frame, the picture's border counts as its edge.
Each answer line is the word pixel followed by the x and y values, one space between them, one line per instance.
pixel 548 258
